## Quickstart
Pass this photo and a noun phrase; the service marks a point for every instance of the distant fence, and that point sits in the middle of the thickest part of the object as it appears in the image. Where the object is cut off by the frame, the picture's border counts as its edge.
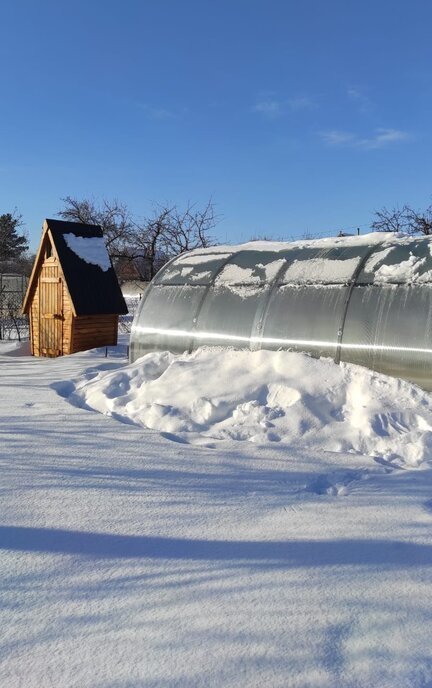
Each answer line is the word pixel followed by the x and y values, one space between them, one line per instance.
pixel 13 325
pixel 125 321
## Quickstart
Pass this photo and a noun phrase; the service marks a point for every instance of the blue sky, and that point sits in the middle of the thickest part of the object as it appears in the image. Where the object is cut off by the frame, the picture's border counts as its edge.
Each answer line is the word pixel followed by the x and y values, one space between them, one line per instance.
pixel 294 116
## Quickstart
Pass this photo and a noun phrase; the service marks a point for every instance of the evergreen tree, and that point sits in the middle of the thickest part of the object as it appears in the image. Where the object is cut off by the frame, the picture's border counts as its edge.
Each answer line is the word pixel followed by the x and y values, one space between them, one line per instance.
pixel 12 244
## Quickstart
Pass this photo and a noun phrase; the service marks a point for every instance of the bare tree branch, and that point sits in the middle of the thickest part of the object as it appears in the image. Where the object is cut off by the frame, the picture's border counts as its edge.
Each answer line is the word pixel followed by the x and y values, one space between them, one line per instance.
pixel 143 246
pixel 113 217
pixel 392 220
pixel 421 221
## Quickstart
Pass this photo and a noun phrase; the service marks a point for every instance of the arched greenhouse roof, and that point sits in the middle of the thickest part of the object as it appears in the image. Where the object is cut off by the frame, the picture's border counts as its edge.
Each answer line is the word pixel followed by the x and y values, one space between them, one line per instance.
pixel 367 300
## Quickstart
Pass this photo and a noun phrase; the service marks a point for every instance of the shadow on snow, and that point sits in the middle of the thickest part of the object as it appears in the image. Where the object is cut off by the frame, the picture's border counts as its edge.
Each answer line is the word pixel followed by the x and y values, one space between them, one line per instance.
pixel 287 554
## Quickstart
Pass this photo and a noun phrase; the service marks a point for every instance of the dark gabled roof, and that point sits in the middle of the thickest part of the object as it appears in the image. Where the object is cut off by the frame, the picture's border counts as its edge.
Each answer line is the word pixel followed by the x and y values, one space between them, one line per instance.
pixel 91 289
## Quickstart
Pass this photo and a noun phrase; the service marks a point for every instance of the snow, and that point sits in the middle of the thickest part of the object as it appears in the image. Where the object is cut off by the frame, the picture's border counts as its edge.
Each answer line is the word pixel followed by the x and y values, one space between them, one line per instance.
pixel 237 274
pixel 244 291
pixel 90 249
pixel 376 258
pixel 194 276
pixel 405 271
pixel 186 266
pixel 208 255
pixel 371 239
pixel 319 270
pixel 273 396
pixel 271 269
pixel 135 557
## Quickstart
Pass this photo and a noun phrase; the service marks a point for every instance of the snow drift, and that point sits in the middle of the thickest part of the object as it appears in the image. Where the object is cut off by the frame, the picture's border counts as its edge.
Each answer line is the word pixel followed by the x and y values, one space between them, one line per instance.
pixel 214 395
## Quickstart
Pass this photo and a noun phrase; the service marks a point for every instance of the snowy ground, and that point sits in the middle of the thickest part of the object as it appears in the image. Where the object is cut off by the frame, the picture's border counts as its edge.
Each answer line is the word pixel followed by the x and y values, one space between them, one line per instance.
pixel 129 559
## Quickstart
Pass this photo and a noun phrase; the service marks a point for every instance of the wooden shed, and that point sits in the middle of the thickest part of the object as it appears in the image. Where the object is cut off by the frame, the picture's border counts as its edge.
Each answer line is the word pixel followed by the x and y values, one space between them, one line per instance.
pixel 73 298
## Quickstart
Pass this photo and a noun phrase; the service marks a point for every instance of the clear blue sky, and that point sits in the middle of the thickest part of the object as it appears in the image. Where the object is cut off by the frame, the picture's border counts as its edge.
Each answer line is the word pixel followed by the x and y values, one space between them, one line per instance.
pixel 294 116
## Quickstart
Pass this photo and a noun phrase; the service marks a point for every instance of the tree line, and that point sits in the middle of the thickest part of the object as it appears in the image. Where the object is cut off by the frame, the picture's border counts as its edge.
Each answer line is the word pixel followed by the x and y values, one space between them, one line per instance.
pixel 403 219
pixel 138 247
pixel 13 244
pixel 14 259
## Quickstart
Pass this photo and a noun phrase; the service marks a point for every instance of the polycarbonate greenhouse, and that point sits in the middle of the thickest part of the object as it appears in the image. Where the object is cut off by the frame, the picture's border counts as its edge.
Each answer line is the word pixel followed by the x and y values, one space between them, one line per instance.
pixel 366 300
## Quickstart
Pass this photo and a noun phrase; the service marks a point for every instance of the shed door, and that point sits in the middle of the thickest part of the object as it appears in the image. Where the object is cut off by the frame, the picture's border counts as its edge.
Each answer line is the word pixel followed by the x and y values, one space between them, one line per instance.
pixel 50 310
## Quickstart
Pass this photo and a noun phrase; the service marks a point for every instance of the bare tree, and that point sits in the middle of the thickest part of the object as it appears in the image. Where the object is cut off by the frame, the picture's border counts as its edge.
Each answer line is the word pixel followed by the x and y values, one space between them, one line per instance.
pixel 404 219
pixel 189 229
pixel 149 251
pixel 113 217
pixel 421 221
pixel 143 246
pixel 392 220
pixel 169 232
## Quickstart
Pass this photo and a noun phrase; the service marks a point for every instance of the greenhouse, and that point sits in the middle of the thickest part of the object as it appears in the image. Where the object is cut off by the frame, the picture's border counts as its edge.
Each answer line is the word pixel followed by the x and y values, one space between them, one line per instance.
pixel 364 300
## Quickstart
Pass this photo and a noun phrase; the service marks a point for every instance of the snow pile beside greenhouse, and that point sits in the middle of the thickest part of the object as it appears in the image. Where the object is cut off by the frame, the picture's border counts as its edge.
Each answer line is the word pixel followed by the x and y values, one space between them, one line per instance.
pixel 216 395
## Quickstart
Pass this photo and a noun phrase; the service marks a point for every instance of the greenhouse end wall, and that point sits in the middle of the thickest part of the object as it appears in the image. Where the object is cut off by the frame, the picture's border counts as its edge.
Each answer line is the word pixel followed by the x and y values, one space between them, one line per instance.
pixel 365 301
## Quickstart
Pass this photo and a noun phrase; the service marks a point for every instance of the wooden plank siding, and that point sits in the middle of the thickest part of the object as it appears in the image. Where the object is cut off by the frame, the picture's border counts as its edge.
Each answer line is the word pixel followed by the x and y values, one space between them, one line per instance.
pixel 90 331
pixel 51 312
pixel 67 321
pixel 50 308
pixel 34 323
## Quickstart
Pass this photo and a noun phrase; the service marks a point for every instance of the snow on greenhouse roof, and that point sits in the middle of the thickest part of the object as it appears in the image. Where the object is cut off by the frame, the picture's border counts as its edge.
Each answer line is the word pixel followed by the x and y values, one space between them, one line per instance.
pixel 370 239
pixel 390 257
pixel 404 271
pixel 321 270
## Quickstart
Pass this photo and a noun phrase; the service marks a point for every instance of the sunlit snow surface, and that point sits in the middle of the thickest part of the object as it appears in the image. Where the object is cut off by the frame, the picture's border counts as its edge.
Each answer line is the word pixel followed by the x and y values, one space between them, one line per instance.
pixel 90 249
pixel 135 557
pixel 328 242
pixel 267 396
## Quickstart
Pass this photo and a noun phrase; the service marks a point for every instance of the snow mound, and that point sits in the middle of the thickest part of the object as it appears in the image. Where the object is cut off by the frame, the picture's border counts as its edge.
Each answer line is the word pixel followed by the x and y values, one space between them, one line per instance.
pixel 264 397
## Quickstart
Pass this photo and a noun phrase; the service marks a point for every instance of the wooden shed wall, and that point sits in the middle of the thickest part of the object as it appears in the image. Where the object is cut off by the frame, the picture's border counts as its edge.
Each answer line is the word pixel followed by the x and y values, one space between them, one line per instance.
pixel 90 331
pixel 34 323
pixel 68 318
pixel 50 269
